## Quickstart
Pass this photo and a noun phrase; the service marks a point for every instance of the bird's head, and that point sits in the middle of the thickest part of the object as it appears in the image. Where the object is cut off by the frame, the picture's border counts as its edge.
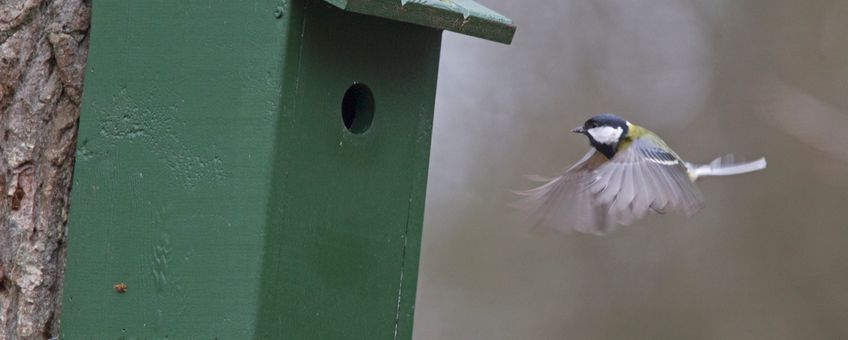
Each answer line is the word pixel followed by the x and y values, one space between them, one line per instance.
pixel 605 132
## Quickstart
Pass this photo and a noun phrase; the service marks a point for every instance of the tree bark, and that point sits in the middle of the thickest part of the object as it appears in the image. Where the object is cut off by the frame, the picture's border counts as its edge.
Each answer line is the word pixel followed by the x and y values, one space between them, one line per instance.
pixel 43 49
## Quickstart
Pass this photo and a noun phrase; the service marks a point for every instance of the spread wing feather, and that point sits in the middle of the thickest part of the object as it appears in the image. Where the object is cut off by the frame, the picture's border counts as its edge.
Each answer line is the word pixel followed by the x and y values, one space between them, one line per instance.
pixel 596 194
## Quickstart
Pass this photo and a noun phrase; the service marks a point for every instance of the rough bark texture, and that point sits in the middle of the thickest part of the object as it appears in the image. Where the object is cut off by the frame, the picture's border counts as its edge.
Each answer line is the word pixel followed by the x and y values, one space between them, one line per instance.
pixel 43 49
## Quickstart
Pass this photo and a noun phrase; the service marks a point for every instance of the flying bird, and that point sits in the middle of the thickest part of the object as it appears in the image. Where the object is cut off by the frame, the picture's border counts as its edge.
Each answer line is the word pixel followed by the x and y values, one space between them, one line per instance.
pixel 628 173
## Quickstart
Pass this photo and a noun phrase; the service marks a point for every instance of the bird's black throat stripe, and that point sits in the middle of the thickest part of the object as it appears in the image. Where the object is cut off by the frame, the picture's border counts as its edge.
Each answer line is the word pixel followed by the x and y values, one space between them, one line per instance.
pixel 608 150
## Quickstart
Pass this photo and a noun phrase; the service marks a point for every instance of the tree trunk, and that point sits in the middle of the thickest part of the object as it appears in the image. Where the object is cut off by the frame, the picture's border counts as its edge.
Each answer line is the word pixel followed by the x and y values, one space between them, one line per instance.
pixel 43 49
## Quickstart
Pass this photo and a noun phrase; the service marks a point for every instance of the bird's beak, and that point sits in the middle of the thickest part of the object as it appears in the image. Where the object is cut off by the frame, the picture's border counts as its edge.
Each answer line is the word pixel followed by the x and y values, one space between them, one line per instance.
pixel 578 129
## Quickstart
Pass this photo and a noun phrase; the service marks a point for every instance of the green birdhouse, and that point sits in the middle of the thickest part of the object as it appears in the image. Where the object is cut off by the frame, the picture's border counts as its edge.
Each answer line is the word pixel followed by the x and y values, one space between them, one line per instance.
pixel 255 169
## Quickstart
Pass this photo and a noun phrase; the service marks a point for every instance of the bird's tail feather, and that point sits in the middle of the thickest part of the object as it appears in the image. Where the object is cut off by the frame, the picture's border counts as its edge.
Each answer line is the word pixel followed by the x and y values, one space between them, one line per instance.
pixel 724 166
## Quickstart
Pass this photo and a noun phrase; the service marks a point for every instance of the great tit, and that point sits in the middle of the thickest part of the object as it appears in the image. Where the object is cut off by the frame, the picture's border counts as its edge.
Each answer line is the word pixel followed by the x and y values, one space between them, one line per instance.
pixel 628 173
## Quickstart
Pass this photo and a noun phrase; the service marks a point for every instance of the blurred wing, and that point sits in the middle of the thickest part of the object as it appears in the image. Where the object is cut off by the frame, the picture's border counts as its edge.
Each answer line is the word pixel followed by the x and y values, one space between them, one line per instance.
pixel 645 177
pixel 596 194
pixel 563 202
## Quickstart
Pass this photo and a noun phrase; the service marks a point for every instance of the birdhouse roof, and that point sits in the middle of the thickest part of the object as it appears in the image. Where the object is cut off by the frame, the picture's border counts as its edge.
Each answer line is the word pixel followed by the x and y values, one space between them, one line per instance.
pixel 461 16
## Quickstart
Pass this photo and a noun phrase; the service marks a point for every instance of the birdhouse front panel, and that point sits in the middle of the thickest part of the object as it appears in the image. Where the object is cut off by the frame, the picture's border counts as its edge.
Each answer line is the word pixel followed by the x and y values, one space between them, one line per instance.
pixel 347 203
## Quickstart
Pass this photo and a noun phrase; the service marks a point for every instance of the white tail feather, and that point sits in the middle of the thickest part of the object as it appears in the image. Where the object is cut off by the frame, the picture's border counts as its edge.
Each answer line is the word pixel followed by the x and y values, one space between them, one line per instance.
pixel 724 166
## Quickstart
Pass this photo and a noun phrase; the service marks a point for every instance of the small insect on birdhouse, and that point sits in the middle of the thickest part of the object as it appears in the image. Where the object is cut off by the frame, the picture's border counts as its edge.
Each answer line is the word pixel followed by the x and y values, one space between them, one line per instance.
pixel 255 169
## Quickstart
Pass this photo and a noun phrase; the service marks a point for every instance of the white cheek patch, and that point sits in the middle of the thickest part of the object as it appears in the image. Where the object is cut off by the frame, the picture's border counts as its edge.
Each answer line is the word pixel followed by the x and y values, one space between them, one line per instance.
pixel 605 134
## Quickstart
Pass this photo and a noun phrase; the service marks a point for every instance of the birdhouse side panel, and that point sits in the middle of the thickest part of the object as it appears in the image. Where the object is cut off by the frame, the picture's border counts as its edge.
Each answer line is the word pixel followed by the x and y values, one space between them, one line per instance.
pixel 173 169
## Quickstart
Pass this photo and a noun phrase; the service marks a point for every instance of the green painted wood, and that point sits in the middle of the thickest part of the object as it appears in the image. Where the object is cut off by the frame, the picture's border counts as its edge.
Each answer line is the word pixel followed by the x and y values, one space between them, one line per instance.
pixel 461 16
pixel 344 230
pixel 216 179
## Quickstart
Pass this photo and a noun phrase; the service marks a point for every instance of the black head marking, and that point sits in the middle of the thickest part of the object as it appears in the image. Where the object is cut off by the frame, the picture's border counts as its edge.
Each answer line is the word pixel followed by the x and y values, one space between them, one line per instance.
pixel 608 148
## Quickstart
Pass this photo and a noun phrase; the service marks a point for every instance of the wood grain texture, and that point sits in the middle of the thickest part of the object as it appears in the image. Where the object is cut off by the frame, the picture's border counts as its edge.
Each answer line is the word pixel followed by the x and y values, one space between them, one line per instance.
pixel 43 49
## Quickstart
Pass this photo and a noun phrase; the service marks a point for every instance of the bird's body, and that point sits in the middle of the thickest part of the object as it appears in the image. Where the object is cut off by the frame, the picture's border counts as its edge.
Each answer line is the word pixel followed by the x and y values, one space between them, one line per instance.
pixel 629 172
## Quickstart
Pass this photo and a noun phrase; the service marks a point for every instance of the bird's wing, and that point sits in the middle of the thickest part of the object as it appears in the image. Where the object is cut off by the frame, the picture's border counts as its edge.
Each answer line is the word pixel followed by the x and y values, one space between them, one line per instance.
pixel 645 177
pixel 563 202
pixel 596 194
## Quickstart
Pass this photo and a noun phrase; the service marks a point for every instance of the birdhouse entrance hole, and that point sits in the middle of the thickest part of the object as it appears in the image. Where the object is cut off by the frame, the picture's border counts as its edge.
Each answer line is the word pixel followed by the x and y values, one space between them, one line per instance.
pixel 358 108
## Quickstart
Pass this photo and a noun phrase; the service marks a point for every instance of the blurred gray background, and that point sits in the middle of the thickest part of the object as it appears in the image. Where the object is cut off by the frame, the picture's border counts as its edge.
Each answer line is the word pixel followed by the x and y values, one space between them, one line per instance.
pixel 768 256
